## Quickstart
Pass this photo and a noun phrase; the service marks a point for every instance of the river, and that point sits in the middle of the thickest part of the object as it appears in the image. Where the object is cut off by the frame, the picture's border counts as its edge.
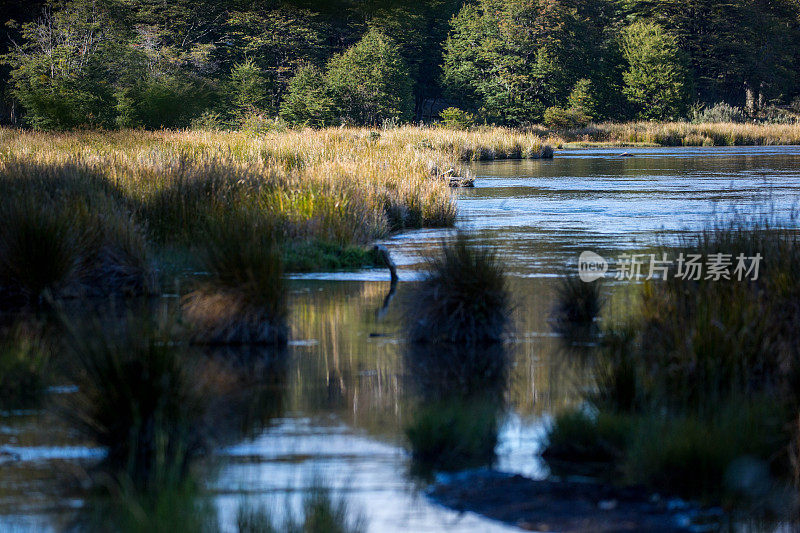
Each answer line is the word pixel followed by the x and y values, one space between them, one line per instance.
pixel 344 402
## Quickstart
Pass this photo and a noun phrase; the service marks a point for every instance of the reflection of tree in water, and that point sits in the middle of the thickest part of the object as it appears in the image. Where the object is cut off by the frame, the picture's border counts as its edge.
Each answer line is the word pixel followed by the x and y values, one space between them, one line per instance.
pixel 249 386
pixel 459 392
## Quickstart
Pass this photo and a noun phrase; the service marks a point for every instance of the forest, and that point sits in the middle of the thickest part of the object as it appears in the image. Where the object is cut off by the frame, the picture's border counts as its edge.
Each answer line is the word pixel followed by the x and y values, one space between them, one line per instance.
pixel 261 64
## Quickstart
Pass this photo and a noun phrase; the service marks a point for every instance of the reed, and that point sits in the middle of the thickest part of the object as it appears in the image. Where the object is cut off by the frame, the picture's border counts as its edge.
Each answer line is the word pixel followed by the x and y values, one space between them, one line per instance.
pixel 321 513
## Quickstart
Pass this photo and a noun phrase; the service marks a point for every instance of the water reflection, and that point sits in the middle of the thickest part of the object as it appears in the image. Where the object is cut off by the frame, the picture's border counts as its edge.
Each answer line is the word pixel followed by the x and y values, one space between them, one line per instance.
pixel 337 404
pixel 249 387
pixel 458 400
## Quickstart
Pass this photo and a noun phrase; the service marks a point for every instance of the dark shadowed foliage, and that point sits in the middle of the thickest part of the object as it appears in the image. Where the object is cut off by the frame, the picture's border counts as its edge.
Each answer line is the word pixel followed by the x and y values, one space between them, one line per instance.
pixel 243 299
pixel 463 298
pixel 39 252
pixel 459 400
pixel 578 304
pixel 66 231
pixel 24 367
pixel 248 386
pixel 447 369
pixel 138 397
pixel 454 433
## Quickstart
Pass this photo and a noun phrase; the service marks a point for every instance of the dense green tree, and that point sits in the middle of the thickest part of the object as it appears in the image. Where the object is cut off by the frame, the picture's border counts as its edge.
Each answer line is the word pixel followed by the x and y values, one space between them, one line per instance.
pixel 734 47
pixel 308 101
pixel 514 58
pixel 369 82
pixel 277 41
pixel 61 68
pixel 154 63
pixel 419 29
pixel 656 78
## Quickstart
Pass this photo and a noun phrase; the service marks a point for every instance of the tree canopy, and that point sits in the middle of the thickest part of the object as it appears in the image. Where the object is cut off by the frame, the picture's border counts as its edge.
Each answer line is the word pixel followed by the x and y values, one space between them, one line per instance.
pixel 146 63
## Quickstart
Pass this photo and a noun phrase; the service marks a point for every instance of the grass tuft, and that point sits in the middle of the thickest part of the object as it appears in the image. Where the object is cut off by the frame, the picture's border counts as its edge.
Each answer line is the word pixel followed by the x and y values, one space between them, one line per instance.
pixel 39 251
pixel 463 298
pixel 454 434
pixel 138 398
pixel 243 299
pixel 322 513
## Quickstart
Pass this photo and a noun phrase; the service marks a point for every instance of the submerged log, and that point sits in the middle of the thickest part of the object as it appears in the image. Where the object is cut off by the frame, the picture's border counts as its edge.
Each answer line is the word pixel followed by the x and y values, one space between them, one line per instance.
pixel 384 253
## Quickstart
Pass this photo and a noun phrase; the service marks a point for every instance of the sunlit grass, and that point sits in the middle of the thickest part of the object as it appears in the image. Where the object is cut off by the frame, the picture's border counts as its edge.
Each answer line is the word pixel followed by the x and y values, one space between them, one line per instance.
pixel 687 134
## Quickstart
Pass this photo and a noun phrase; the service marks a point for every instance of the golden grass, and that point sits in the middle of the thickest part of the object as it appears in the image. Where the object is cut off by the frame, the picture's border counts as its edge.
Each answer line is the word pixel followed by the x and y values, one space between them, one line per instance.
pixel 341 185
pixel 686 134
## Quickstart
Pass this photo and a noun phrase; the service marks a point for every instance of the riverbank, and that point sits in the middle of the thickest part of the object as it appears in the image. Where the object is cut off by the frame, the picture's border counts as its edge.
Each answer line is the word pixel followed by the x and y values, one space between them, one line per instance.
pixel 326 193
pixel 677 134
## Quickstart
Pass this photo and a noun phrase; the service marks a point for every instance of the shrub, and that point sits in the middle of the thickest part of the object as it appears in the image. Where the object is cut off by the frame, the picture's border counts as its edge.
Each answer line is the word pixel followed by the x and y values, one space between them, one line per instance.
pixel 456 119
pixel 243 300
pixel 162 101
pixel 693 455
pixel 260 124
pixel 577 436
pixel 137 397
pixel 463 297
pixel 719 112
pixel 558 117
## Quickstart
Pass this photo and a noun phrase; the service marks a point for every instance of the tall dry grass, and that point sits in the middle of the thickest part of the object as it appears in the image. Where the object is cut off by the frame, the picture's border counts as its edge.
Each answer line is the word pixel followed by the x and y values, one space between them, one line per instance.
pixel 687 134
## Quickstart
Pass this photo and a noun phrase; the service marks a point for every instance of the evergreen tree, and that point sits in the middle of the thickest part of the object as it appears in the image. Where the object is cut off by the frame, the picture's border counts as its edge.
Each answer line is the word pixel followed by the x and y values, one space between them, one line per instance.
pixel 369 82
pixel 511 59
pixel 247 89
pixel 308 101
pixel 582 98
pixel 655 81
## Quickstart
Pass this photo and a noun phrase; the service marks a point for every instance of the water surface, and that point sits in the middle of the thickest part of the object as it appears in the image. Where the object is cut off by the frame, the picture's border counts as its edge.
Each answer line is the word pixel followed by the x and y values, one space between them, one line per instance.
pixel 345 399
